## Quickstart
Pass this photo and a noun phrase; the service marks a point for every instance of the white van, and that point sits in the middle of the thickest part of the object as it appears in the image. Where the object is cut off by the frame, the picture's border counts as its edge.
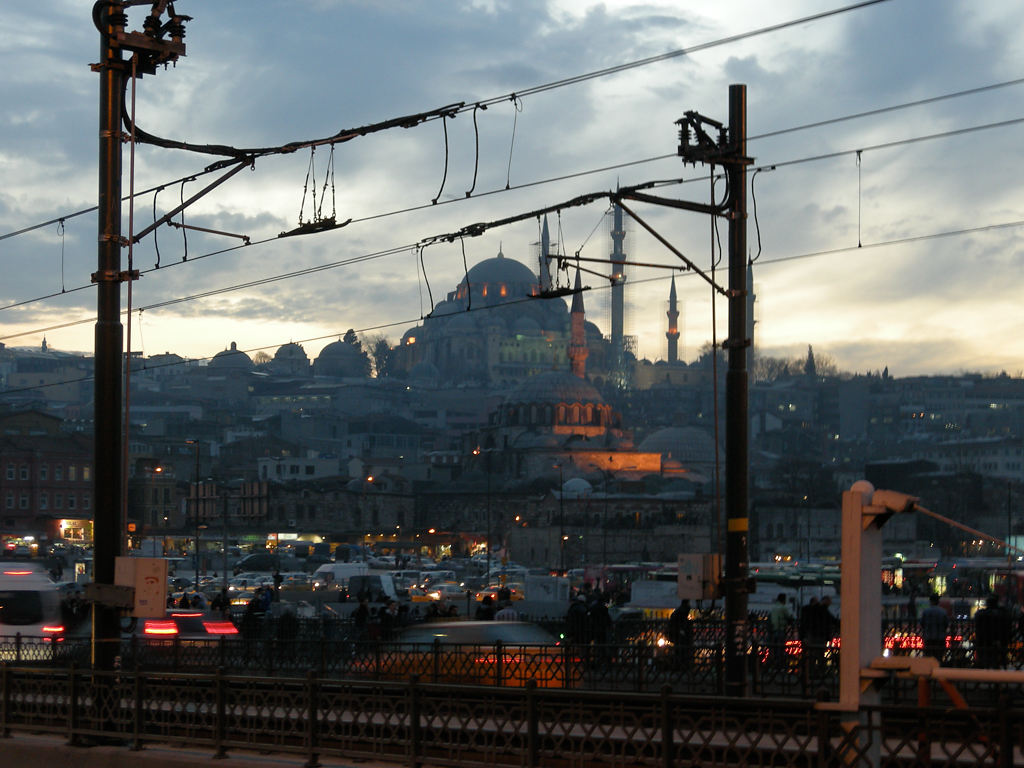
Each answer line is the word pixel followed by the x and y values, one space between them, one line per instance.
pixel 336 575
pixel 29 604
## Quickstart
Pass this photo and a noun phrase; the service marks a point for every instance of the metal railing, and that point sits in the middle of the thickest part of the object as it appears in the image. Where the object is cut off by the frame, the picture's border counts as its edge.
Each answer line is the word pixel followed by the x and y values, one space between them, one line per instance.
pixel 430 724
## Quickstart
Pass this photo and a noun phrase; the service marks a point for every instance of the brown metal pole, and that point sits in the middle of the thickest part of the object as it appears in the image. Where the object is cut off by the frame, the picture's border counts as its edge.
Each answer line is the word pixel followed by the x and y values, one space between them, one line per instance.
pixel 108 342
pixel 736 406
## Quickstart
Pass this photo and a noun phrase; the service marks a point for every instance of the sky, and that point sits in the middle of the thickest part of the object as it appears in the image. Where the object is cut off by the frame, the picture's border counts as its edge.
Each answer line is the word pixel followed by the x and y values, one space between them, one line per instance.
pixel 889 240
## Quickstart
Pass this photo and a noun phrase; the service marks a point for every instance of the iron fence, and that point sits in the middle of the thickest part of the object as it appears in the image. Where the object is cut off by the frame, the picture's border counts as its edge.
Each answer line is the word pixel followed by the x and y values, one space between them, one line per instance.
pixel 431 724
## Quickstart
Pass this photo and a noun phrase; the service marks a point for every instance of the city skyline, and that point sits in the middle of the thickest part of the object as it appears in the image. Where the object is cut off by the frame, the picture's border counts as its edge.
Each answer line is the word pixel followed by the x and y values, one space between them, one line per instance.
pixel 929 290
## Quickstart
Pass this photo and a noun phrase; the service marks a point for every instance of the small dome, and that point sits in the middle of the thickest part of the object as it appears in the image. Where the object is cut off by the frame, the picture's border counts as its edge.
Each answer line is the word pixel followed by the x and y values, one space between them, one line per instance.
pixel 231 359
pixel 576 487
pixel 340 359
pixel 555 387
pixel 690 445
pixel 291 351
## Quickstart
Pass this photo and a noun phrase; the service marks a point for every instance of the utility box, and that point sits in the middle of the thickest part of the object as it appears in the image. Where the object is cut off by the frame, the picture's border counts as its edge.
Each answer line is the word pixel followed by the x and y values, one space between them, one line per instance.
pixel 148 577
pixel 699 576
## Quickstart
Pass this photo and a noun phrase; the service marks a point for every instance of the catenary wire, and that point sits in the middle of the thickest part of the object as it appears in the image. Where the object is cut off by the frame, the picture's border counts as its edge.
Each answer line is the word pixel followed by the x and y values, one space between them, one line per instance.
pixel 660 278
pixel 776 164
pixel 641 281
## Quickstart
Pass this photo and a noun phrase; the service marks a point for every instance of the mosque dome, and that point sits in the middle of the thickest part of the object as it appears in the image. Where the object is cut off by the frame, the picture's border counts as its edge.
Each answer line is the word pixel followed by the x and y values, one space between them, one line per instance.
pixel 339 359
pixel 689 445
pixel 290 360
pixel 555 387
pixel 576 487
pixel 498 270
pixel 424 372
pixel 526 325
pixel 232 359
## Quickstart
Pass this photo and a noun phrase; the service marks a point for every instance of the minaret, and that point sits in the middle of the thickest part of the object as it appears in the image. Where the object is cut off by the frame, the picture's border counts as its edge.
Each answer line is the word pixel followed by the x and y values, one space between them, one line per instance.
pixel 578 341
pixel 618 260
pixel 672 334
pixel 544 267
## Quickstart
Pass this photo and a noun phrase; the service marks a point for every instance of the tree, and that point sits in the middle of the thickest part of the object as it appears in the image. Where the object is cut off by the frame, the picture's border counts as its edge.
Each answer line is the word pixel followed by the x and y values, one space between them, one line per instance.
pixel 380 354
pixel 261 358
pixel 351 338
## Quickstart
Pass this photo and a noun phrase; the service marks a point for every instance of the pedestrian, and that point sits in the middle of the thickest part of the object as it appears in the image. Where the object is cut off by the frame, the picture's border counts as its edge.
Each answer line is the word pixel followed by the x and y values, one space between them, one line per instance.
pixel 680 631
pixel 485 611
pixel 779 619
pixel 991 634
pixel 934 629
pixel 506 612
pixel 576 620
pixel 820 628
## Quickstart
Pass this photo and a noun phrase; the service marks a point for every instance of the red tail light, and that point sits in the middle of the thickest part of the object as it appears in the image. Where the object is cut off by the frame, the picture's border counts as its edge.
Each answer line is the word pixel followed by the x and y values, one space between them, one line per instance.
pixel 220 628
pixel 159 627
pixel 53 630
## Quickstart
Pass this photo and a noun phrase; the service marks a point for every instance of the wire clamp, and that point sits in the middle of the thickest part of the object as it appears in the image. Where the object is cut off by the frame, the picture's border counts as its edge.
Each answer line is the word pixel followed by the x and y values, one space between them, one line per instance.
pixel 115 276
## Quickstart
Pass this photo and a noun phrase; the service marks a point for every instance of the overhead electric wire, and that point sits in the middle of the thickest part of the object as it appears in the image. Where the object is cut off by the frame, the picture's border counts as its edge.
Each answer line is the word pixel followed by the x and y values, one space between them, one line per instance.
pixel 627 164
pixel 676 270
pixel 526 299
pixel 464 231
pixel 451 110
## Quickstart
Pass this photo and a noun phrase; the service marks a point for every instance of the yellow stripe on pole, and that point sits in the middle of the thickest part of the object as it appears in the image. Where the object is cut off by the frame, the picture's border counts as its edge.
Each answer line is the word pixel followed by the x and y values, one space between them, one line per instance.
pixel 739 525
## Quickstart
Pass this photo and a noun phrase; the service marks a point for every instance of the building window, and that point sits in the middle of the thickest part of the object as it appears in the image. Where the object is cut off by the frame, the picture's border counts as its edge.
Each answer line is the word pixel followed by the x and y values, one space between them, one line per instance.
pixel 44 500
pixel 86 501
pixel 72 472
pixel 23 501
pixel 44 472
pixel 10 499
pixel 72 501
pixel 58 501
pixel 58 472
pixel 10 471
pixel 86 473
pixel 24 472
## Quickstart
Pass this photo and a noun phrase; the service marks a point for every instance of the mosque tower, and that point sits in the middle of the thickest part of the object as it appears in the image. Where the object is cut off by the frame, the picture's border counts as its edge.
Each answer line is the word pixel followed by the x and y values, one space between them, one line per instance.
pixel 578 340
pixel 618 260
pixel 544 263
pixel 672 334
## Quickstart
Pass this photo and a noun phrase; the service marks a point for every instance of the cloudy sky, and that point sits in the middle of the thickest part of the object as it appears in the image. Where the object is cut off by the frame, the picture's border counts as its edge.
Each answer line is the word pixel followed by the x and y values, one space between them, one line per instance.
pixel 934 197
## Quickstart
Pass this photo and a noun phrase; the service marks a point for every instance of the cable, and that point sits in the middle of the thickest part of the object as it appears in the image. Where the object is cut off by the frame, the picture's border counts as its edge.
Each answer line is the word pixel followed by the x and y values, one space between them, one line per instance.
pixel 409 321
pixel 415 249
pixel 451 110
pixel 777 164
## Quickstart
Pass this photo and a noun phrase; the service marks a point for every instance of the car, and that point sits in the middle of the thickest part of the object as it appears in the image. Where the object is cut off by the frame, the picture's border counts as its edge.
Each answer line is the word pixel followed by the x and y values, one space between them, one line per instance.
pixel 482 653
pixel 446 591
pixel 515 592
pixel 296 581
pixel 182 624
pixel 419 595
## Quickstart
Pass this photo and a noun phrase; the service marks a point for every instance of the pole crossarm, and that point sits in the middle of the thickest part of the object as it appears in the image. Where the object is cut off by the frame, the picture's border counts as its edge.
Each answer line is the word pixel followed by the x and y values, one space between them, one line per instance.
pixel 245 162
pixel 689 263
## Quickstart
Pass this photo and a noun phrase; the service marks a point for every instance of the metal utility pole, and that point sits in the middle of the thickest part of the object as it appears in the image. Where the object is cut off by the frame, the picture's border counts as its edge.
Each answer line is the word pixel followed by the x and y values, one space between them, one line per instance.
pixel 108 338
pixel 729 150
pixel 148 49
pixel 737 467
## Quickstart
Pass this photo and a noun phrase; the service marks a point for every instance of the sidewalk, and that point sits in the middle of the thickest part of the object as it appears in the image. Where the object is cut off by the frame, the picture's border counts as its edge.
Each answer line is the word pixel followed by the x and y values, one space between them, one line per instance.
pixel 31 751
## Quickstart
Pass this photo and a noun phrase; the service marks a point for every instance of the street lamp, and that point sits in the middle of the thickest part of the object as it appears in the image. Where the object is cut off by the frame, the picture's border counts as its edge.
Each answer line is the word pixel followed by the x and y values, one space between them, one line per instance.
pixel 561 520
pixel 488 451
pixel 195 502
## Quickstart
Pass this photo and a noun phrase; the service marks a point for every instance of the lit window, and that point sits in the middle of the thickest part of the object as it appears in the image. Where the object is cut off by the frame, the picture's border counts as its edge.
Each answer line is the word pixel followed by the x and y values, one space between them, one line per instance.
pixel 72 472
